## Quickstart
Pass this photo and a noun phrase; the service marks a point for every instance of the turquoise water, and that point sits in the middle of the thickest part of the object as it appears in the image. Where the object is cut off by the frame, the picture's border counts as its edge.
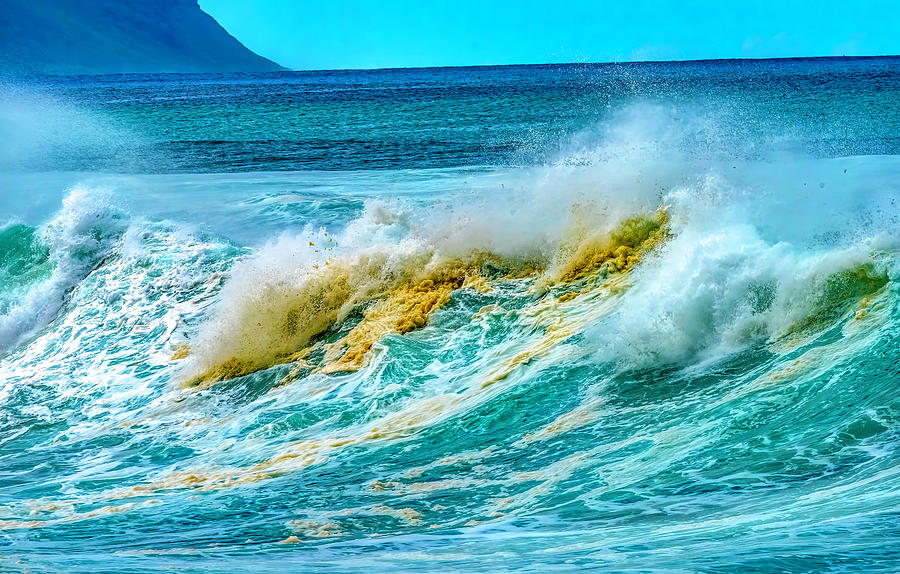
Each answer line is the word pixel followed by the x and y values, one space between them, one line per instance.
pixel 187 264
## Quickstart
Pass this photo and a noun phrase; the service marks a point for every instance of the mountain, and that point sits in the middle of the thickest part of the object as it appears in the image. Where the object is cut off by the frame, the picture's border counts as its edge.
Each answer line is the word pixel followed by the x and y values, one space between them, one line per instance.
pixel 119 36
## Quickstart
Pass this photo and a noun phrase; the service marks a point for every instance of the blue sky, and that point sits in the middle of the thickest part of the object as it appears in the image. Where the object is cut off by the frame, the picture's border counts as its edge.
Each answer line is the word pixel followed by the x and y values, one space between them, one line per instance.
pixel 380 34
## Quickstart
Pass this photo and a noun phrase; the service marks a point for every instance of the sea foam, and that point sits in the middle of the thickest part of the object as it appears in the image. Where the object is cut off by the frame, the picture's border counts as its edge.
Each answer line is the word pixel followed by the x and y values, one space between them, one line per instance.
pixel 87 229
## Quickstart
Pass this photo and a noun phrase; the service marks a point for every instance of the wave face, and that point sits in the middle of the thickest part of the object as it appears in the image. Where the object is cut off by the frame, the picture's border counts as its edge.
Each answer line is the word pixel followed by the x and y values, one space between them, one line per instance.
pixel 639 356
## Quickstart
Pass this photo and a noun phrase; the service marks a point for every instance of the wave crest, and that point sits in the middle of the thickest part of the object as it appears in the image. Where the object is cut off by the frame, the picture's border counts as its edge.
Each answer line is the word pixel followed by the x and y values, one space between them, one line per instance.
pixel 56 257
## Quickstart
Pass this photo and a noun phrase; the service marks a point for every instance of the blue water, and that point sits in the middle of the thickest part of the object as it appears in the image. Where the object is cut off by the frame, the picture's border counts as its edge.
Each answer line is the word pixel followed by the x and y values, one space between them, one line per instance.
pixel 623 317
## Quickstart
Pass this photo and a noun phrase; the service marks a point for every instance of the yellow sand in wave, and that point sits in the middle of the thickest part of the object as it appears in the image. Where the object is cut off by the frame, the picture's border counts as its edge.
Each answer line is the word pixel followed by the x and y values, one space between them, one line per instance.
pixel 580 416
pixel 409 307
pixel 281 316
pixel 838 295
pixel 618 251
pixel 406 309
pixel 843 290
pixel 181 352
pixel 314 529
pixel 397 293
pixel 73 516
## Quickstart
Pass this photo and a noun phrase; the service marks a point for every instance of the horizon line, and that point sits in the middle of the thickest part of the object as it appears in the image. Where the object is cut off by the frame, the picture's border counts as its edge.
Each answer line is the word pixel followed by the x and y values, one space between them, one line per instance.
pixel 606 63
pixel 469 66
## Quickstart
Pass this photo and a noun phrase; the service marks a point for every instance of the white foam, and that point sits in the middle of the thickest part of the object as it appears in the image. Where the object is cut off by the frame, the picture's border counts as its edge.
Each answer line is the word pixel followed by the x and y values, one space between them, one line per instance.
pixel 83 232
pixel 722 283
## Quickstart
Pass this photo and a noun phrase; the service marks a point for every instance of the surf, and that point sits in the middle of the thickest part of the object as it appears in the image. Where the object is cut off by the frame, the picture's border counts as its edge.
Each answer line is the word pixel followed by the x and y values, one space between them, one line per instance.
pixel 560 358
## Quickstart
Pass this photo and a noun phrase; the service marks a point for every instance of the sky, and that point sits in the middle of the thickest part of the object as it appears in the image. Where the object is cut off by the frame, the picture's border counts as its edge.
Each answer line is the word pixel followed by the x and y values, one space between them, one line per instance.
pixel 341 34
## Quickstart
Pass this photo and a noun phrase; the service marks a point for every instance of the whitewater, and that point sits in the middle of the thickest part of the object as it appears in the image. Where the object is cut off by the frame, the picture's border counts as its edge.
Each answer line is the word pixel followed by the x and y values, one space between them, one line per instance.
pixel 632 318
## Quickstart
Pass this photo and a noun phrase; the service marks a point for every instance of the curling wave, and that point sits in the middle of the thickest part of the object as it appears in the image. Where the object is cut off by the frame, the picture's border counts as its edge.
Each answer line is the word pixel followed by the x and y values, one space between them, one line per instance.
pixel 40 267
pixel 706 280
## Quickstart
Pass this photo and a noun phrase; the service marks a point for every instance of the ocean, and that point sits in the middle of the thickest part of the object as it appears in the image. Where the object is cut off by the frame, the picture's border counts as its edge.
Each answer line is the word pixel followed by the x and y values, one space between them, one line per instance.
pixel 592 317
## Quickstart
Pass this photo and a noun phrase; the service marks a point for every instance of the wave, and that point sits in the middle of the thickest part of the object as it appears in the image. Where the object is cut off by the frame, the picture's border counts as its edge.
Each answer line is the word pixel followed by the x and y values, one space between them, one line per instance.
pixel 706 269
pixel 41 266
pixel 727 279
pixel 297 289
